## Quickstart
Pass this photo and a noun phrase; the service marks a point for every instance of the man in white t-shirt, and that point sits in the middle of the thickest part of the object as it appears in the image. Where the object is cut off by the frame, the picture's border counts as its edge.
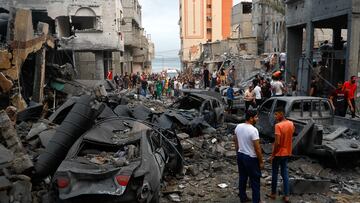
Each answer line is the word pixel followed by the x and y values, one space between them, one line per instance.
pixel 282 60
pixel 249 156
pixel 257 92
pixel 278 88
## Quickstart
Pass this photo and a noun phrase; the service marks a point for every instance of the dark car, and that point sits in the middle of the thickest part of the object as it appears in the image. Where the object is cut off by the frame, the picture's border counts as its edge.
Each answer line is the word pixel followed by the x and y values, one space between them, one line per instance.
pixel 202 106
pixel 118 160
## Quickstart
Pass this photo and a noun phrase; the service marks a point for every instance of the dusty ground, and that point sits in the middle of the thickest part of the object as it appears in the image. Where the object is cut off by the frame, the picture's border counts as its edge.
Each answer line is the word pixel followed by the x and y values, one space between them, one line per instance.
pixel 209 164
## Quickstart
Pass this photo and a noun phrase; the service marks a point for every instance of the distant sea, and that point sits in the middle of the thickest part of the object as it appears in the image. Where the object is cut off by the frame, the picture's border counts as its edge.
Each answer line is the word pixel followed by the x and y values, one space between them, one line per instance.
pixel 158 64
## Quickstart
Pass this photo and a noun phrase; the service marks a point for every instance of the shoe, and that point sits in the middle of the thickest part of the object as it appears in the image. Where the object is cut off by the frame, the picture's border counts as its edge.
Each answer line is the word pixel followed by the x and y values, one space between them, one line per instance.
pixel 286 200
pixel 271 196
pixel 246 200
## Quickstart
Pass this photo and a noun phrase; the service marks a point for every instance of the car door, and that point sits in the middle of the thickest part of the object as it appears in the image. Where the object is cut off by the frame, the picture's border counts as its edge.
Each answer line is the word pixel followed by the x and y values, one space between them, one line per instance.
pixel 219 111
pixel 266 118
pixel 208 112
pixel 156 143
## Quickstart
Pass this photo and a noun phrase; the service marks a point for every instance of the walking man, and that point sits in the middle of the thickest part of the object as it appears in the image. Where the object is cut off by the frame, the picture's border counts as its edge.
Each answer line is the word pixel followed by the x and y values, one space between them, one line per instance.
pixel 282 150
pixel 350 87
pixel 249 157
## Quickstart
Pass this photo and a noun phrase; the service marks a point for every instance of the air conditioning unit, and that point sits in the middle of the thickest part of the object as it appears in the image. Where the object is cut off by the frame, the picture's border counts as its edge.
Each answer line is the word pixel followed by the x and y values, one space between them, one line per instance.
pixel 208 18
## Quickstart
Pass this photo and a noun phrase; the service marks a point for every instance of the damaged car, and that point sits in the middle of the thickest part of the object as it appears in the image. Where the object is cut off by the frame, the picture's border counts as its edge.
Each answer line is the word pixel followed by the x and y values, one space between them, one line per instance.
pixel 194 113
pixel 317 131
pixel 118 160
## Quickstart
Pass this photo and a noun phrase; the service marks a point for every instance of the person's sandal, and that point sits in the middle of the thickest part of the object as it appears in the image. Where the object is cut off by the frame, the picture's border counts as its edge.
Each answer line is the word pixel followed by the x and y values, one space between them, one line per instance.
pixel 271 196
pixel 286 200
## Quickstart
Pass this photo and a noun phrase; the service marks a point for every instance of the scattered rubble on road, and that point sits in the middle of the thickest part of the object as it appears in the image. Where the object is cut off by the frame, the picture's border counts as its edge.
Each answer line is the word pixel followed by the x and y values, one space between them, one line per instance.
pixel 210 171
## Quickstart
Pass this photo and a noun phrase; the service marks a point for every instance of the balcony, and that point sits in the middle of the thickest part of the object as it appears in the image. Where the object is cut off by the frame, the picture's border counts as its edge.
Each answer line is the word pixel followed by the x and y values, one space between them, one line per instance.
pixel 131 13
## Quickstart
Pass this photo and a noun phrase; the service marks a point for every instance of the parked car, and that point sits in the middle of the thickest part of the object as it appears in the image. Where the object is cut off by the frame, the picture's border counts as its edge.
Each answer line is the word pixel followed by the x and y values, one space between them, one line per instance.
pixel 118 160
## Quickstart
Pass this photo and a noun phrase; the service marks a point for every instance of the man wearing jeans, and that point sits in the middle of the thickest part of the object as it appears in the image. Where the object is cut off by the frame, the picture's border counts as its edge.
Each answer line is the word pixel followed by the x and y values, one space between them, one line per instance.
pixel 249 157
pixel 282 149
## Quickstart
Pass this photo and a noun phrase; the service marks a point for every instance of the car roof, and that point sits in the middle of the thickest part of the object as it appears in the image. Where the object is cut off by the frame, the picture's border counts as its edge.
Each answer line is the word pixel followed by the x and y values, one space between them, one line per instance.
pixel 298 98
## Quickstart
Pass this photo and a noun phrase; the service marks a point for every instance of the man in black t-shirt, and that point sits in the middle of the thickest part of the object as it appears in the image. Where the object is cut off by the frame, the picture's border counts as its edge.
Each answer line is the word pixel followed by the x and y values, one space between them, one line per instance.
pixel 339 100
pixel 206 77
pixel 294 84
pixel 313 87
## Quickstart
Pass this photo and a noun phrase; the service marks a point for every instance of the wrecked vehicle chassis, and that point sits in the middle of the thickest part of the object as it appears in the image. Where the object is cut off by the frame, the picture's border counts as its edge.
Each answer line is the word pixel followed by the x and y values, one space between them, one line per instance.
pixel 118 160
pixel 317 131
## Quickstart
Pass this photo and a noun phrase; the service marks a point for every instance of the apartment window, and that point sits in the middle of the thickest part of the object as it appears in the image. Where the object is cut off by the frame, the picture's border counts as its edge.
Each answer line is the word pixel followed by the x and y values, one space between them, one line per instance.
pixel 247 7
pixel 84 22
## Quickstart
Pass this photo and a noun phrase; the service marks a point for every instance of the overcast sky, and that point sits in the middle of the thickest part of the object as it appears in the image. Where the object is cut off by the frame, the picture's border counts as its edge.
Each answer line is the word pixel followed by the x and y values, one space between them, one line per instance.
pixel 160 19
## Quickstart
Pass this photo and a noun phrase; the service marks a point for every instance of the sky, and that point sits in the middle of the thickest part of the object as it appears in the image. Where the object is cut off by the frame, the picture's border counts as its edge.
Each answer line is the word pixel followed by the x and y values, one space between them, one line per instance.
pixel 160 19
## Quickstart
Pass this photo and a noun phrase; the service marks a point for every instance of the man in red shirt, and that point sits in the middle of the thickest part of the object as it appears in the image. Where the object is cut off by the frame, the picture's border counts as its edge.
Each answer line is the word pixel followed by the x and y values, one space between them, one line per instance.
pixel 339 100
pixel 350 87
pixel 282 150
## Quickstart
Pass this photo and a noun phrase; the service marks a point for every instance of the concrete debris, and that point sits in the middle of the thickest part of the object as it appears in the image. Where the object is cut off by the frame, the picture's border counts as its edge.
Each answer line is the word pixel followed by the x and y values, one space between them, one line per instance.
pixel 174 197
pixel 303 186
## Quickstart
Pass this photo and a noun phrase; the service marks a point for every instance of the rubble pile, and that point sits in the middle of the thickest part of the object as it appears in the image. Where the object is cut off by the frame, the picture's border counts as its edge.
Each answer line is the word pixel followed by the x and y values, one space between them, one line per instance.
pixel 119 159
pixel 18 148
pixel 211 175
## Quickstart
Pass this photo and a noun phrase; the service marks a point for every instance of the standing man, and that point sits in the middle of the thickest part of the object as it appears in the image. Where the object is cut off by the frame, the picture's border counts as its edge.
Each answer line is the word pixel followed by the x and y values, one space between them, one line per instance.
pixel 282 150
pixel 339 100
pixel 231 75
pixel 230 97
pixel 249 156
pixel 294 84
pixel 350 87
pixel 206 77
pixel 257 92
pixel 313 87
pixel 282 60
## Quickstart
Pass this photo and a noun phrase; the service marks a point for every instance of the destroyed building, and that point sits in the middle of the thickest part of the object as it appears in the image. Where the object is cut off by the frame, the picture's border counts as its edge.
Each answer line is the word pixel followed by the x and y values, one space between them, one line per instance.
pixel 89 39
pixel 139 50
pixel 23 46
pixel 201 22
pixel 340 60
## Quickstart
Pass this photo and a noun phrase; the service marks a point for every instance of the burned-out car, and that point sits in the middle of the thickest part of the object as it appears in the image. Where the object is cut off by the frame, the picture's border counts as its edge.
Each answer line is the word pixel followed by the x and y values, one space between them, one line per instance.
pixel 317 130
pixel 299 108
pixel 195 112
pixel 238 102
pixel 118 160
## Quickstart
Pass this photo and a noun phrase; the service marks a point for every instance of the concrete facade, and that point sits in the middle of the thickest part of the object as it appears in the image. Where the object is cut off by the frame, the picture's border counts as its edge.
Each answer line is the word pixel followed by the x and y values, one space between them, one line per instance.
pixel 268 27
pixel 138 47
pixel 241 20
pixel 83 28
pixel 337 15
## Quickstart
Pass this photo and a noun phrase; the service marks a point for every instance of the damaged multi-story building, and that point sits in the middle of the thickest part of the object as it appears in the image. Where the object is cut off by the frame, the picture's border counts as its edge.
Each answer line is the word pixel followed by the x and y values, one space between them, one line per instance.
pixel 139 49
pixel 335 61
pixel 202 22
pixel 89 33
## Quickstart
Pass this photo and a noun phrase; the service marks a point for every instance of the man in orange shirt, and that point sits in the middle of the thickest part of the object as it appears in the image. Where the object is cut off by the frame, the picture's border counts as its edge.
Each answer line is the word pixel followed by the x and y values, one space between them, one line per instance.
pixel 282 150
pixel 350 87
